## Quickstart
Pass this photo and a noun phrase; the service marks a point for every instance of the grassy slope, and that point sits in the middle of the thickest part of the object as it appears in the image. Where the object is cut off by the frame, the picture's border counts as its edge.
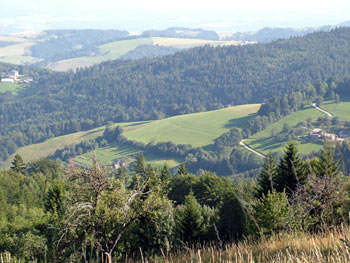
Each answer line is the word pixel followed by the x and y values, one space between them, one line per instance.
pixel 39 150
pixel 109 51
pixel 342 109
pixel 17 53
pixel 13 87
pixel 198 129
pixel 263 142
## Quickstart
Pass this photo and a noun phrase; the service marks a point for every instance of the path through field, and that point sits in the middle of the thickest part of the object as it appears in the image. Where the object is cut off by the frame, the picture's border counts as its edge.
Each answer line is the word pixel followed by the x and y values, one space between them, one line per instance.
pixel 324 111
pixel 251 149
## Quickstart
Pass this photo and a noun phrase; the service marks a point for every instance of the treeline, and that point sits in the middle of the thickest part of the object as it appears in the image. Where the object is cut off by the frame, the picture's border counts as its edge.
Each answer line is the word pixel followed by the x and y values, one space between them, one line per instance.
pixel 149 51
pixel 55 214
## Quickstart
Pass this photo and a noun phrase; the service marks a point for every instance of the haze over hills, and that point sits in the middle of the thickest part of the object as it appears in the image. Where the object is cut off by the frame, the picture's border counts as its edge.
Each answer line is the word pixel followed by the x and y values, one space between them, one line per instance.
pixel 69 49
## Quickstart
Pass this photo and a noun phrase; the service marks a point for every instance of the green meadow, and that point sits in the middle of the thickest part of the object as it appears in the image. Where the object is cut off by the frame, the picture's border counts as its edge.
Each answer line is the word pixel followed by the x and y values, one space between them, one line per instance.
pixel 197 129
pixel 13 87
pixel 264 142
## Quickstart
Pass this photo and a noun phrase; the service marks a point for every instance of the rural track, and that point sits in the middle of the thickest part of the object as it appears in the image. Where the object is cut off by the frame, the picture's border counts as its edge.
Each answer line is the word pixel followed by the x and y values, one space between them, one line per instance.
pixel 251 149
pixel 322 110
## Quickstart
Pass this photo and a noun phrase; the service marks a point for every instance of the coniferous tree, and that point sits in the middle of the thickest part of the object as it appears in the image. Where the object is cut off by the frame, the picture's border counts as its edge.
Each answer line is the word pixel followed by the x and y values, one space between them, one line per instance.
pixel 191 219
pixel 165 173
pixel 140 164
pixel 326 165
pixel 266 177
pixel 182 169
pixel 18 164
pixel 290 171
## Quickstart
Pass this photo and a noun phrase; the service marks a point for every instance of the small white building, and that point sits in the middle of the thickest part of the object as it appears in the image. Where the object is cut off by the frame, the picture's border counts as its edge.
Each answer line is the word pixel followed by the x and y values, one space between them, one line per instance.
pixel 7 80
pixel 13 74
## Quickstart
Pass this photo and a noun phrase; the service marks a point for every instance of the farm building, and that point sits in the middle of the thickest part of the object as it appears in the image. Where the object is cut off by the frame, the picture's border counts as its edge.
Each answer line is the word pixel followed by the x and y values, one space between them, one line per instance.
pixel 7 80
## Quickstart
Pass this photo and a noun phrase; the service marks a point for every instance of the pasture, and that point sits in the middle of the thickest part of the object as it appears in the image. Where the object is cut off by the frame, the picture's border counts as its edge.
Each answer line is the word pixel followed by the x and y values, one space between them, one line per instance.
pixel 264 142
pixel 197 129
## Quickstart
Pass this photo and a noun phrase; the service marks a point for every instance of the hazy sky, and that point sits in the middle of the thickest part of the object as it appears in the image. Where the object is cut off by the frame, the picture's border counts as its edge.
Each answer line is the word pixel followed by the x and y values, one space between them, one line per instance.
pixel 137 15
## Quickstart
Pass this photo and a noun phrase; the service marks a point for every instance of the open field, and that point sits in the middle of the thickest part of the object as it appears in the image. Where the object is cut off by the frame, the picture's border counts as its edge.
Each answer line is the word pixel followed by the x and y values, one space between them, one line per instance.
pixel 197 129
pixel 106 156
pixel 17 53
pixel 43 149
pixel 263 142
pixel 188 42
pixel 108 51
pixel 341 109
pixel 13 87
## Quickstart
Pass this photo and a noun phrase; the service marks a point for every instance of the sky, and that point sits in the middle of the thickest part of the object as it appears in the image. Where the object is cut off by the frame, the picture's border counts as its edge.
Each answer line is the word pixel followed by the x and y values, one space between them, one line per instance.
pixel 137 16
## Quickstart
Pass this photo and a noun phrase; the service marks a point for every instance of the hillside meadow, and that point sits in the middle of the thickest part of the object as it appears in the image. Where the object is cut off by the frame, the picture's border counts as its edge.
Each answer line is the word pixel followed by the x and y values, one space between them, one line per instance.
pixel 197 129
pixel 48 147
pixel 264 142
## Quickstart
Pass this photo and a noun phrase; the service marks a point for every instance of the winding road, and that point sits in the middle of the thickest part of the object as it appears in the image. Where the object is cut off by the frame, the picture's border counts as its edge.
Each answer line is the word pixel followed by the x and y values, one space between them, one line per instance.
pixel 251 149
pixel 242 143
pixel 322 110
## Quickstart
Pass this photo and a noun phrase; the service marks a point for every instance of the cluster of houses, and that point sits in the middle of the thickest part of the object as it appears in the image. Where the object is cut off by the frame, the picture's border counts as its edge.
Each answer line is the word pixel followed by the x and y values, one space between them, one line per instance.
pixel 14 77
pixel 323 135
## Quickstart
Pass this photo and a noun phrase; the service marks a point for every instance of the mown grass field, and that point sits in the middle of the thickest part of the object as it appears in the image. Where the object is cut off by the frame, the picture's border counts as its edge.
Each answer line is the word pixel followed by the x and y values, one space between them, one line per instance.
pixel 13 87
pixel 106 156
pixel 341 109
pixel 40 150
pixel 264 142
pixel 18 53
pixel 109 51
pixel 197 129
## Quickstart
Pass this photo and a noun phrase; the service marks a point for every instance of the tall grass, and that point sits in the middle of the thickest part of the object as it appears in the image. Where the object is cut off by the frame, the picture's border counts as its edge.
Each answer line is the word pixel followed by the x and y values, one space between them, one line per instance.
pixel 6 257
pixel 333 246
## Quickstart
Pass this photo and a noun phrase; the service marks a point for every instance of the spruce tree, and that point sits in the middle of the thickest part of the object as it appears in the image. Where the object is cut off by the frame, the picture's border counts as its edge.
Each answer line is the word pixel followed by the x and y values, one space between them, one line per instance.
pixel 182 169
pixel 165 173
pixel 326 165
pixel 191 219
pixel 140 164
pixel 266 177
pixel 291 171
pixel 18 164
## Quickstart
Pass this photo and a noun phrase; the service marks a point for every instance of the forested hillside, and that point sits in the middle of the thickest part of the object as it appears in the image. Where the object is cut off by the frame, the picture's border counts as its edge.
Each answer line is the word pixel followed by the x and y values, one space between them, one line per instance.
pixel 199 79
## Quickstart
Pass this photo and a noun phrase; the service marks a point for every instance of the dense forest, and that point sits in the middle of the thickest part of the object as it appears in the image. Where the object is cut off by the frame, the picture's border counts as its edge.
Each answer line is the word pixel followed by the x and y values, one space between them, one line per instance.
pixel 51 213
pixel 149 51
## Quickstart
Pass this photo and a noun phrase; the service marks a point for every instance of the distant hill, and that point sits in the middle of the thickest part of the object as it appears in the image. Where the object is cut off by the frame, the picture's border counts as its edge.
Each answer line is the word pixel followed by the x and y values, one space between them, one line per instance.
pixel 149 51
pixel 268 34
pixel 181 32
pixel 56 45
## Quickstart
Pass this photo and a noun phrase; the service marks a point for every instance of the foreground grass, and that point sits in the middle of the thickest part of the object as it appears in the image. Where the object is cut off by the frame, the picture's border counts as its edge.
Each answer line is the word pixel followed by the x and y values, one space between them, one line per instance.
pixel 327 247
pixel 197 129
